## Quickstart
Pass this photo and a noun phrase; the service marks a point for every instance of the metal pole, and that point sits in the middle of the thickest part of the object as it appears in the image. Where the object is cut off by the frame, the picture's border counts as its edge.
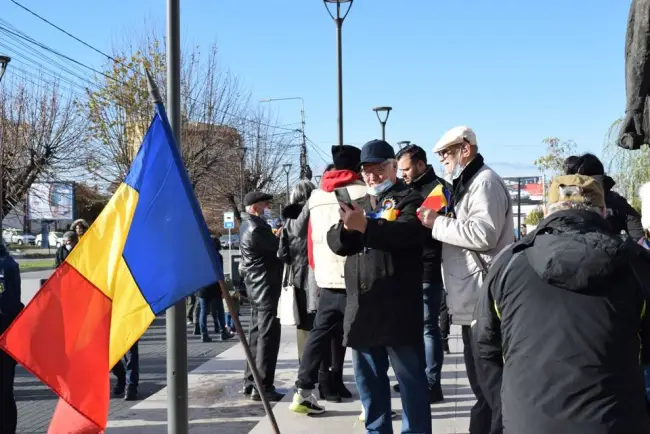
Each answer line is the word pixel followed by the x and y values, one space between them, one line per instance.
pixel 339 54
pixel 177 401
pixel 518 208
pixel 287 186
pixel 303 147
pixel 383 131
pixel 3 68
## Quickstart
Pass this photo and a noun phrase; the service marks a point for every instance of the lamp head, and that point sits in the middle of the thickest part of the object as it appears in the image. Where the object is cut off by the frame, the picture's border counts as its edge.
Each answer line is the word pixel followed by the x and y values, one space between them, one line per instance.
pixel 383 109
pixel 337 1
pixel 4 60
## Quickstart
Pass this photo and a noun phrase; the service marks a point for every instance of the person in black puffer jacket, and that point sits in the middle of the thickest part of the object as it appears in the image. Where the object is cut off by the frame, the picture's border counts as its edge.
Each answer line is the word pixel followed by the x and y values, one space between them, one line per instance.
pixel 70 240
pixel 562 327
pixel 620 214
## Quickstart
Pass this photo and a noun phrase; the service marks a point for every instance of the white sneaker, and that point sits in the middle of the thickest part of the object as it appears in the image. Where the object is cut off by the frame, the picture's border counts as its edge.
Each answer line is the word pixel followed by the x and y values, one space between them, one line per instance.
pixel 305 405
pixel 362 416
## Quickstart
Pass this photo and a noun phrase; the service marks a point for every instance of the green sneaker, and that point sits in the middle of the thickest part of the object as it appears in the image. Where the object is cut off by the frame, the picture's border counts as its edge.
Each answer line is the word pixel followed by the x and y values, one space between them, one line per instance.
pixel 305 404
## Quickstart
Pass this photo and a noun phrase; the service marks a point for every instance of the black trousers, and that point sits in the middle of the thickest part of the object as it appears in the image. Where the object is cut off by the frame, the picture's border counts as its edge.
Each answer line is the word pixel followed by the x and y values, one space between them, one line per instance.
pixel 264 340
pixel 445 320
pixel 328 325
pixel 8 410
pixel 483 419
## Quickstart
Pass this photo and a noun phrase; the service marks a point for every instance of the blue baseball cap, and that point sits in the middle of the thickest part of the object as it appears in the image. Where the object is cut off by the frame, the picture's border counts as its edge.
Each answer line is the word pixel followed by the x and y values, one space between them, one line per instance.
pixel 376 151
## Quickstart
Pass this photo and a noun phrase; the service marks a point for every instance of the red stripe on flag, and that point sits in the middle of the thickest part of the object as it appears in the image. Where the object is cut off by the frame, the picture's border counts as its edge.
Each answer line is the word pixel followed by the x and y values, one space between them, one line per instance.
pixel 62 337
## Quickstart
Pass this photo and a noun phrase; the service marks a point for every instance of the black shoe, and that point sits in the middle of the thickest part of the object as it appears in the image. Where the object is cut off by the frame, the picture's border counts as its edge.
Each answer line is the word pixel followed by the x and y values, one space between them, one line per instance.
pixel 247 390
pixel 396 388
pixel 337 384
pixel 445 345
pixel 197 330
pixel 326 388
pixel 119 388
pixel 271 395
pixel 206 338
pixel 435 395
pixel 131 394
pixel 227 335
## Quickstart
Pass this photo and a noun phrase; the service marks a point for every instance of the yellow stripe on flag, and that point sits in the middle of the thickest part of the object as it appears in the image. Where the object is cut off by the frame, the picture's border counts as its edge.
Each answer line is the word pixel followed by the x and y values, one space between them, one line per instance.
pixel 98 257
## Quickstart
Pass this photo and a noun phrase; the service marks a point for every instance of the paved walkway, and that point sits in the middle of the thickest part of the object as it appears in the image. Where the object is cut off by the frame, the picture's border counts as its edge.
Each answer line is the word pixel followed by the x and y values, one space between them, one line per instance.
pixel 216 404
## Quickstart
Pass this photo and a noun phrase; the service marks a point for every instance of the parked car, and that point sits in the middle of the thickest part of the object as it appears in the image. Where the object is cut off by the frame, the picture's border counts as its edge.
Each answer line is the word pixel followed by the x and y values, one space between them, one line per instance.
pixel 21 238
pixel 55 239
pixel 8 234
pixel 234 241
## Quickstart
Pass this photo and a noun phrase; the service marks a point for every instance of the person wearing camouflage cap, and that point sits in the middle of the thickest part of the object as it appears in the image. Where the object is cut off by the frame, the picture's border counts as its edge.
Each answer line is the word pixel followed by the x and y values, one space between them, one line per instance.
pixel 561 324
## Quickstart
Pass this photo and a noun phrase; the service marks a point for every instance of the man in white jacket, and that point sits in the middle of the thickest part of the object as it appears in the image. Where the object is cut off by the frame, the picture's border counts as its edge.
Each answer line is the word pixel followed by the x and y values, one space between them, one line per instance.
pixel 481 228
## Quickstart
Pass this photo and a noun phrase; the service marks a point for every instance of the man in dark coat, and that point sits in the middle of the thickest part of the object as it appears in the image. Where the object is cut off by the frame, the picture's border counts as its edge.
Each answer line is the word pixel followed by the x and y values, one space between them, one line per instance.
pixel 70 240
pixel 382 238
pixel 562 325
pixel 620 214
pixel 634 130
pixel 420 176
pixel 10 307
pixel 263 276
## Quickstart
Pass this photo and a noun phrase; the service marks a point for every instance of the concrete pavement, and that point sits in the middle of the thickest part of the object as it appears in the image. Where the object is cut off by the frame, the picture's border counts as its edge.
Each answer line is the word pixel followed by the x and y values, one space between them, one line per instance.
pixel 216 404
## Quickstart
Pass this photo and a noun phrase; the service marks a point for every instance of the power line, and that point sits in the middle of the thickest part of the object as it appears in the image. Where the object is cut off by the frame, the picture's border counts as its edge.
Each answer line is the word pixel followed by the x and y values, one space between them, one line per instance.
pixel 97 50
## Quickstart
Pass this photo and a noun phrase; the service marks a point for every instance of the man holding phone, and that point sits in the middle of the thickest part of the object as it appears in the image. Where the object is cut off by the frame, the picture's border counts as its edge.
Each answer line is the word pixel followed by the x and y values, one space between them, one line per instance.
pixel 382 239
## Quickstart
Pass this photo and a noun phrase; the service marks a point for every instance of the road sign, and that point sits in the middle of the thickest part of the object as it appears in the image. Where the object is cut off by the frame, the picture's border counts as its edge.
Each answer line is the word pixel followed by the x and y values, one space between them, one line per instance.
pixel 229 220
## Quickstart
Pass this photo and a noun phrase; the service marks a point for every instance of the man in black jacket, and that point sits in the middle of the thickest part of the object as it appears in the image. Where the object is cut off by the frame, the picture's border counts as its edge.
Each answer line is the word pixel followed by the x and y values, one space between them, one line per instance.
pixel 10 307
pixel 412 162
pixel 382 238
pixel 620 214
pixel 562 322
pixel 263 276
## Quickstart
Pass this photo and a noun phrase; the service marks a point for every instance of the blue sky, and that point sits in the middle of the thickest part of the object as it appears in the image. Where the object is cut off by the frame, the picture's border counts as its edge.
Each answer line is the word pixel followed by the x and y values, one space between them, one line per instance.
pixel 516 72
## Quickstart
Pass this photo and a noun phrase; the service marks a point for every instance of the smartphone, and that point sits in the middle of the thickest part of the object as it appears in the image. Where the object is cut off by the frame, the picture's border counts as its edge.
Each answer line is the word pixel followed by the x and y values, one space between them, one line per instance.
pixel 343 196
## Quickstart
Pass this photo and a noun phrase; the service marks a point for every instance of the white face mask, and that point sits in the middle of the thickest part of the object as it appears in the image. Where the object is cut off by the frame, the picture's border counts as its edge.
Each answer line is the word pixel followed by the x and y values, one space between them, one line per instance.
pixel 267 213
pixel 458 168
pixel 379 189
pixel 68 247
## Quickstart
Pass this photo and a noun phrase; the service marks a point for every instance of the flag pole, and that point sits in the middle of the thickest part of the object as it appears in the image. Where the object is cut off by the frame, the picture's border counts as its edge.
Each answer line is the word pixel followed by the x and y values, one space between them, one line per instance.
pixel 176 328
pixel 155 95
pixel 249 356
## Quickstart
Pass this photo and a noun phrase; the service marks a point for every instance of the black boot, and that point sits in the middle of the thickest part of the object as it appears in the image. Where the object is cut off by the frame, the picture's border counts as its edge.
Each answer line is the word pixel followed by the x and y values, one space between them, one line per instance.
pixel 197 330
pixel 445 345
pixel 326 388
pixel 336 379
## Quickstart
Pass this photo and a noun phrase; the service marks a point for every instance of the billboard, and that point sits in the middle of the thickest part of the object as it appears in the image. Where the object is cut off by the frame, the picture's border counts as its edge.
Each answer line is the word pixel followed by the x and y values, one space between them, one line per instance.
pixel 51 201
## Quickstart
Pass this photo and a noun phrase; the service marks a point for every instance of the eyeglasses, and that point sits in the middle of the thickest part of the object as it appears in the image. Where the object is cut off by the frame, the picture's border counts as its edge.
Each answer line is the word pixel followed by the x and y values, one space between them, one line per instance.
pixel 376 170
pixel 452 149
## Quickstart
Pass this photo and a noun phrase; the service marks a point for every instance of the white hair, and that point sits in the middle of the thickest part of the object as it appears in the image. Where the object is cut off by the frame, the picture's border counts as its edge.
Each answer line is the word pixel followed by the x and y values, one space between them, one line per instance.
pixel 301 192
pixel 250 209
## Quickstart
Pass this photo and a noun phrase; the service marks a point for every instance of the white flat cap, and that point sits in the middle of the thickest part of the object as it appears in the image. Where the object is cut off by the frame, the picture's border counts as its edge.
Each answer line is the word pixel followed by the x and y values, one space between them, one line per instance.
pixel 455 136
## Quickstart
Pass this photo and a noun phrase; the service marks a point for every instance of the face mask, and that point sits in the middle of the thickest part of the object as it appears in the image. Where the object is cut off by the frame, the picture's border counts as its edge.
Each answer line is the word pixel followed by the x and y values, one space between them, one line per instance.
pixel 378 189
pixel 458 169
pixel 267 212
pixel 68 247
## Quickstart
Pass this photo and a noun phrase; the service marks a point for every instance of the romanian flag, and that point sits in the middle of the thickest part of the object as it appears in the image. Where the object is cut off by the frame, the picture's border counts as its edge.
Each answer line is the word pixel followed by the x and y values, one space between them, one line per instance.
pixel 439 200
pixel 148 249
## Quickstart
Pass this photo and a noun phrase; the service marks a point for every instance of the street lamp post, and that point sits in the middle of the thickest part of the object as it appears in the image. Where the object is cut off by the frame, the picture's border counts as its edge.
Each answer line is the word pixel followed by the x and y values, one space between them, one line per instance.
pixel 305 170
pixel 403 143
pixel 287 169
pixel 241 151
pixel 4 61
pixel 317 178
pixel 338 20
pixel 383 121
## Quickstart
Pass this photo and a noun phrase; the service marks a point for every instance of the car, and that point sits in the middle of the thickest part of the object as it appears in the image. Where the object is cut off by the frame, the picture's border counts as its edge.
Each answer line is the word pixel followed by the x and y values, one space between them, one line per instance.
pixel 514 194
pixel 21 238
pixel 55 239
pixel 223 240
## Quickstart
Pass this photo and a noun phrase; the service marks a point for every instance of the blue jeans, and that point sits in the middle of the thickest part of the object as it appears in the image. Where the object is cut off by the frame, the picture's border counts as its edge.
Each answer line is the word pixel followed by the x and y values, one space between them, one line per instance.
pixel 215 308
pixel 433 350
pixel 127 370
pixel 371 375
pixel 229 321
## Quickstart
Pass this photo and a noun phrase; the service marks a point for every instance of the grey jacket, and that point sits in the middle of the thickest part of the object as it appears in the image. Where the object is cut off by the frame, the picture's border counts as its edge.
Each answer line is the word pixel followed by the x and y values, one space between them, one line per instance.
pixel 483 224
pixel 634 130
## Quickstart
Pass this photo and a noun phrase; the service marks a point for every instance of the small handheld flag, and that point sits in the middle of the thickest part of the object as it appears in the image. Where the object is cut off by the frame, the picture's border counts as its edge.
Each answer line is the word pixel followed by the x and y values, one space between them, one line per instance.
pixel 439 200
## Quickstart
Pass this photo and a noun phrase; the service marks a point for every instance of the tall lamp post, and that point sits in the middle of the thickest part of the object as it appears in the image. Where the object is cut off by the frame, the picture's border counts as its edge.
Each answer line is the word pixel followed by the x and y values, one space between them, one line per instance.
pixel 383 121
pixel 241 152
pixel 338 20
pixel 317 178
pixel 287 169
pixel 4 61
pixel 403 143
pixel 305 170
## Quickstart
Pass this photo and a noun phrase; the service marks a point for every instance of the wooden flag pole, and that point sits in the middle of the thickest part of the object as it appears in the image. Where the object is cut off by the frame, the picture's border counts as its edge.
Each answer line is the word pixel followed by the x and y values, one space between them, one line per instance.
pixel 249 356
